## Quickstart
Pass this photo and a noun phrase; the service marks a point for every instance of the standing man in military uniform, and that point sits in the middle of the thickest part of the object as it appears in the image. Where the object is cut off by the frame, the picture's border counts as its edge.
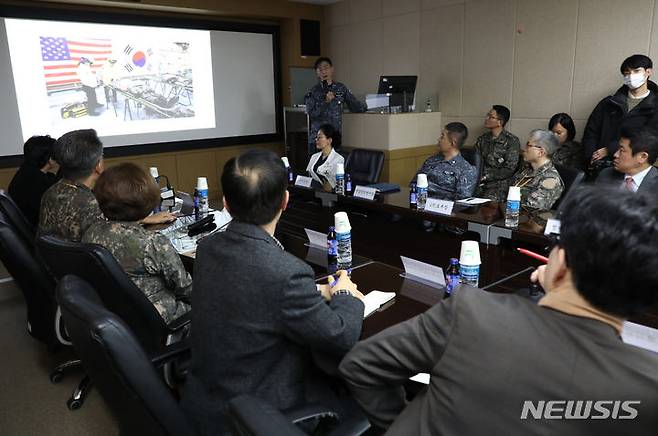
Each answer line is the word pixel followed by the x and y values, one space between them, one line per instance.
pixel 450 176
pixel 500 155
pixel 325 101
pixel 540 183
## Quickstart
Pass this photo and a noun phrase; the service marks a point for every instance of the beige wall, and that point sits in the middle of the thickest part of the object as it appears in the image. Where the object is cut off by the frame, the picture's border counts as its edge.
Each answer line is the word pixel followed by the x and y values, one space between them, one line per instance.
pixel 537 57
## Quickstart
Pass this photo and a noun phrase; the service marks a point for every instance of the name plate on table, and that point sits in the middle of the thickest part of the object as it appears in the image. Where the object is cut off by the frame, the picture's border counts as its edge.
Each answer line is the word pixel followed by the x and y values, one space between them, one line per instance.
pixel 552 226
pixel 365 192
pixel 423 272
pixel 443 207
pixel 303 181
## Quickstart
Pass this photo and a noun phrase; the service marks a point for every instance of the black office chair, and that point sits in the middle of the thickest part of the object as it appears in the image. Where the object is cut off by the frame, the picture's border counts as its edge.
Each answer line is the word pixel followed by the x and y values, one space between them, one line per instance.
pixel 473 156
pixel 99 268
pixel 17 219
pixel 124 374
pixel 571 177
pixel 38 288
pixel 364 166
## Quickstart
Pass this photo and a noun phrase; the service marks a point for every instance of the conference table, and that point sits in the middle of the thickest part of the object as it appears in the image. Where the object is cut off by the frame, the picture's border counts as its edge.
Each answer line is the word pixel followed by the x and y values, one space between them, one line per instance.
pixel 386 228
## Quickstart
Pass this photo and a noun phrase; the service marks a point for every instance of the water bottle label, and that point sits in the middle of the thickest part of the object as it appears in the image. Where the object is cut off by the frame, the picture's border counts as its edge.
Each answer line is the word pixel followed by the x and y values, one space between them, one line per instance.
pixel 348 186
pixel 452 281
pixel 470 274
pixel 513 205
pixel 332 247
pixel 413 198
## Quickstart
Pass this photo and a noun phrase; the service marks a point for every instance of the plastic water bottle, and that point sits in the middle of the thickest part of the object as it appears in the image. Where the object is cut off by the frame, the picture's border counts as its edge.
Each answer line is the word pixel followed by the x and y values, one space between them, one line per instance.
pixel 513 207
pixel 155 175
pixel 348 184
pixel 343 239
pixel 332 246
pixel 291 175
pixel 453 276
pixel 196 205
pixel 202 187
pixel 421 185
pixel 340 179
pixel 469 261
pixel 413 197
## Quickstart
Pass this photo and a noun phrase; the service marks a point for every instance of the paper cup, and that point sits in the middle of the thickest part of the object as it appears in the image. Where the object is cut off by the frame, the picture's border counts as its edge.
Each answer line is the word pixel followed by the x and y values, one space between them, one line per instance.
pixel 421 180
pixel 342 222
pixel 470 253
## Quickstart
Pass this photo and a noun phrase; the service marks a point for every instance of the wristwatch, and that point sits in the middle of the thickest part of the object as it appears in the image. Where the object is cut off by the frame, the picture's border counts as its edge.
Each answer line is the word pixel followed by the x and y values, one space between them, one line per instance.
pixel 341 292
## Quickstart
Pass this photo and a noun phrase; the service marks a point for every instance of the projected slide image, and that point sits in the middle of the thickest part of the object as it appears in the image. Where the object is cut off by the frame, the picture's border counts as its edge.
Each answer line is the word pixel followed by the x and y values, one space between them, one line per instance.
pixel 116 79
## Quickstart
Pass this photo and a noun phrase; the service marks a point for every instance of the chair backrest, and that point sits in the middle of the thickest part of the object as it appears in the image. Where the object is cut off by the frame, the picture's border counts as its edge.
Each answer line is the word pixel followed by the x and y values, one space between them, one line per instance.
pixel 473 156
pixel 571 177
pixel 117 364
pixel 16 218
pixel 34 281
pixel 119 294
pixel 364 166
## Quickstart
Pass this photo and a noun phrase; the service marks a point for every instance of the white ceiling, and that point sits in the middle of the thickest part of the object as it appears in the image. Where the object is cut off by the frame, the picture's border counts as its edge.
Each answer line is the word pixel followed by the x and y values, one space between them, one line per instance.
pixel 316 2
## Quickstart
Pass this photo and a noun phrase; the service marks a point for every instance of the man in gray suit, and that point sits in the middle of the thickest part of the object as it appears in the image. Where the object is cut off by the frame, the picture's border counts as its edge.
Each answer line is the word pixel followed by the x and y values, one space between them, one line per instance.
pixel 501 364
pixel 258 315
pixel 633 163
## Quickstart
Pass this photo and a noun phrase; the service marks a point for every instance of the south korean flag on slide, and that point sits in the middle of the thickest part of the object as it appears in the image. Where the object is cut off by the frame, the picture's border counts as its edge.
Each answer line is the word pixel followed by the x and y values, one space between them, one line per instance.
pixel 137 60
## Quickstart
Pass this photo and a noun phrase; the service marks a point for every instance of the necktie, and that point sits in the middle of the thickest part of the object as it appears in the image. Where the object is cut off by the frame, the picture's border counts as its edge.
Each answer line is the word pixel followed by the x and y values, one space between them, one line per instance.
pixel 629 184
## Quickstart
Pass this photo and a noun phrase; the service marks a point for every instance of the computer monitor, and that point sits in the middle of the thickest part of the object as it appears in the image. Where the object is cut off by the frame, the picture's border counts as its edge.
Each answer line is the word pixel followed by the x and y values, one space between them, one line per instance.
pixel 396 87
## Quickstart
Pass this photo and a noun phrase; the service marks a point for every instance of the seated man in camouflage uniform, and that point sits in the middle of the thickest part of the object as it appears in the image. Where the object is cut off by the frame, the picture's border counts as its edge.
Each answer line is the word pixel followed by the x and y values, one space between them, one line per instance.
pixel 500 155
pixel 127 194
pixel 449 175
pixel 540 183
pixel 69 207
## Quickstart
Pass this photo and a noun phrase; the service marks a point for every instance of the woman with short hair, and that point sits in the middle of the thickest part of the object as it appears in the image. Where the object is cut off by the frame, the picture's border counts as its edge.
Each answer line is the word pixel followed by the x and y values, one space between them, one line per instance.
pixel 570 153
pixel 322 165
pixel 127 194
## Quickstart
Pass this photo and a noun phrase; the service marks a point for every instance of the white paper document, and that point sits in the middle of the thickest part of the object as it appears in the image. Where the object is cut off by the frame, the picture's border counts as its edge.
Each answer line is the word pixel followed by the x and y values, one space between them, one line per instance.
pixel 423 271
pixel 552 226
pixel 222 218
pixel 471 201
pixel 640 336
pixel 316 239
pixel 373 300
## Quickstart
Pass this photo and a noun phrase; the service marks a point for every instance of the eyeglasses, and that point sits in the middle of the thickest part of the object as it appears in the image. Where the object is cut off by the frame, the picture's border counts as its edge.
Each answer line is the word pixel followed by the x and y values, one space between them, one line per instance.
pixel 320 136
pixel 323 68
pixel 527 144
pixel 491 117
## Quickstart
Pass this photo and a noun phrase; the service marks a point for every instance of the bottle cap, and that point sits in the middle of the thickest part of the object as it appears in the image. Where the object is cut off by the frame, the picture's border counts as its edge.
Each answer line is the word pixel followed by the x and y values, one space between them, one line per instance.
pixel 285 161
pixel 202 183
pixel 454 261
pixel 470 253
pixel 340 168
pixel 421 180
pixel 342 222
pixel 154 172
pixel 514 193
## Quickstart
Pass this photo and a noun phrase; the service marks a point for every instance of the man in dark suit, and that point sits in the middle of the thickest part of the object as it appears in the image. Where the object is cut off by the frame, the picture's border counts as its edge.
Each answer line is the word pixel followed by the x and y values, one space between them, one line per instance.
pixel 633 163
pixel 258 315
pixel 501 364
pixel 34 177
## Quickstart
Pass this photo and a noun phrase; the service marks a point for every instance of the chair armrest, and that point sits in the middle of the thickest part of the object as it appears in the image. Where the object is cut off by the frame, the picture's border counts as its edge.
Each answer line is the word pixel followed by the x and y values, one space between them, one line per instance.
pixel 171 352
pixel 180 322
pixel 310 411
pixel 253 416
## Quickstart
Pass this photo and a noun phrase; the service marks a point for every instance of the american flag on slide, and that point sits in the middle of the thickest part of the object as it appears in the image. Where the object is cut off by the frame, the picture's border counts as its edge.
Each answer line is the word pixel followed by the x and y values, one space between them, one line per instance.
pixel 60 58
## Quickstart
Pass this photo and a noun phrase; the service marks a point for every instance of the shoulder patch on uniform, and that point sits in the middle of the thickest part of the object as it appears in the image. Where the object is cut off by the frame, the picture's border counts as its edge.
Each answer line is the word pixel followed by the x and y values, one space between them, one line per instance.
pixel 549 183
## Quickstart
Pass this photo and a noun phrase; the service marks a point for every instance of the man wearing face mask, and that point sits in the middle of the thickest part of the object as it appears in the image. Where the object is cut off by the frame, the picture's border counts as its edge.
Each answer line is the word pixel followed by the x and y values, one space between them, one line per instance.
pixel 634 105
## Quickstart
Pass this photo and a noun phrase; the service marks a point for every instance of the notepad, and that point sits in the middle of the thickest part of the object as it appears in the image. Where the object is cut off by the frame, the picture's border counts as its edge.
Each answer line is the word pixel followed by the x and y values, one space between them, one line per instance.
pixel 376 299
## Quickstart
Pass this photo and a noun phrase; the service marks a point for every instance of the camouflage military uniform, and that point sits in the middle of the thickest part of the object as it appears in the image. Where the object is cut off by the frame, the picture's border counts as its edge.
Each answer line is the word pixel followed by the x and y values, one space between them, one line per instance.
pixel 322 112
pixel 500 158
pixel 570 154
pixel 67 210
pixel 540 188
pixel 150 261
pixel 449 179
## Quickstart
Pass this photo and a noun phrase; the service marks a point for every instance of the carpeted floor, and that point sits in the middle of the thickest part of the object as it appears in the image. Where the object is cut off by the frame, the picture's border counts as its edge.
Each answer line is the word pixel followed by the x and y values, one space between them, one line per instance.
pixel 29 403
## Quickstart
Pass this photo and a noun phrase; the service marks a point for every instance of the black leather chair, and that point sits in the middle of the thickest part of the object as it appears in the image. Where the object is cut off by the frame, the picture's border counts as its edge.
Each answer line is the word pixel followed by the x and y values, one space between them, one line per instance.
pixel 124 374
pixel 16 218
pixel 364 166
pixel 94 264
pixel 571 177
pixel 38 288
pixel 473 156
